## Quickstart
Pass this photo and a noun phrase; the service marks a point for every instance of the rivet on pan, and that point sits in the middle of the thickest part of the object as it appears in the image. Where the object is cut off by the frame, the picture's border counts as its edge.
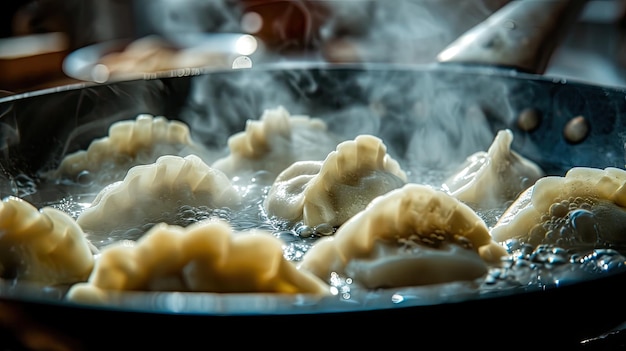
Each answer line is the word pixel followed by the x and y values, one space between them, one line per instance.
pixel 529 119
pixel 576 130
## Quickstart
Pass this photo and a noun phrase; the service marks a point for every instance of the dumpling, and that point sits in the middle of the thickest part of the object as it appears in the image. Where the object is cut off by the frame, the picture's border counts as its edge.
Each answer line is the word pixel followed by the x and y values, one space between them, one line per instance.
pixel 586 207
pixel 414 235
pixel 154 193
pixel 493 178
pixel 274 142
pixel 129 143
pixel 333 190
pixel 44 246
pixel 206 256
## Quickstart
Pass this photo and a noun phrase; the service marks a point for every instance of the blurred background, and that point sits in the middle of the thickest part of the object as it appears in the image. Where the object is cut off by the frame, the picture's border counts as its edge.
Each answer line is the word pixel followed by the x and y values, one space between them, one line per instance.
pixel 47 43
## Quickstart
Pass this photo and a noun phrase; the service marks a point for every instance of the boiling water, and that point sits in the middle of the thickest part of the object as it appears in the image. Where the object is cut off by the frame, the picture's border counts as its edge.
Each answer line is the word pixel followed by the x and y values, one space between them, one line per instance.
pixel 525 266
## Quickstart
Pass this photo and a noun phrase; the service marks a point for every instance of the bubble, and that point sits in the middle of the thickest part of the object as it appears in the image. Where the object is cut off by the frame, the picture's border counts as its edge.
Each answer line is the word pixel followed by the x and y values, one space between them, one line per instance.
pixel 324 229
pixel 294 251
pixel 286 236
pixel 70 206
pixel 585 225
pixel 600 261
pixel 341 284
pixel 549 255
pixel 558 210
pixel 305 231
pixel 85 178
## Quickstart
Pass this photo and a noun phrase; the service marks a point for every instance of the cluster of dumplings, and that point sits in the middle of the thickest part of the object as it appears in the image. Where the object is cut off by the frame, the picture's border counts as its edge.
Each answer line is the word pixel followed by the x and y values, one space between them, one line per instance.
pixel 387 230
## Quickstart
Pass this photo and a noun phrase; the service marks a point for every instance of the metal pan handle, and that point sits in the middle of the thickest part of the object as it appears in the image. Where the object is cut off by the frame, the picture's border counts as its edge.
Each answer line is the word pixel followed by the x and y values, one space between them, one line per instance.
pixel 521 35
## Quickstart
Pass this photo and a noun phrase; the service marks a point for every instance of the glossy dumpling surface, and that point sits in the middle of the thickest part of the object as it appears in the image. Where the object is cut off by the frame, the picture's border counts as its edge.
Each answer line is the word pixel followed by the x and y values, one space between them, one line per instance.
pixel 129 143
pixel 333 190
pixel 44 246
pixel 203 257
pixel 274 142
pixel 493 178
pixel 413 235
pixel 153 193
pixel 586 207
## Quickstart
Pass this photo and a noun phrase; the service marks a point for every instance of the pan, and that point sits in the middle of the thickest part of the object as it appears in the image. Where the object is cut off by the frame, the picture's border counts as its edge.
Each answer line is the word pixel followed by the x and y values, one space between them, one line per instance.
pixel 429 118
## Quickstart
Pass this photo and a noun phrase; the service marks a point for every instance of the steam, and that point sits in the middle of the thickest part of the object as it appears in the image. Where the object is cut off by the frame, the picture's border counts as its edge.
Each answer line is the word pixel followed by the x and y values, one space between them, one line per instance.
pixel 411 31
pixel 415 119
pixel 422 118
pixel 428 118
pixel 171 17
pixel 405 31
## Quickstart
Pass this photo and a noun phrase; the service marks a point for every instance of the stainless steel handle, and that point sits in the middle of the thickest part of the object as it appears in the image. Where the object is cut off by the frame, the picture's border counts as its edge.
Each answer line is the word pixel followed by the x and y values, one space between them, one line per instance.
pixel 521 35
